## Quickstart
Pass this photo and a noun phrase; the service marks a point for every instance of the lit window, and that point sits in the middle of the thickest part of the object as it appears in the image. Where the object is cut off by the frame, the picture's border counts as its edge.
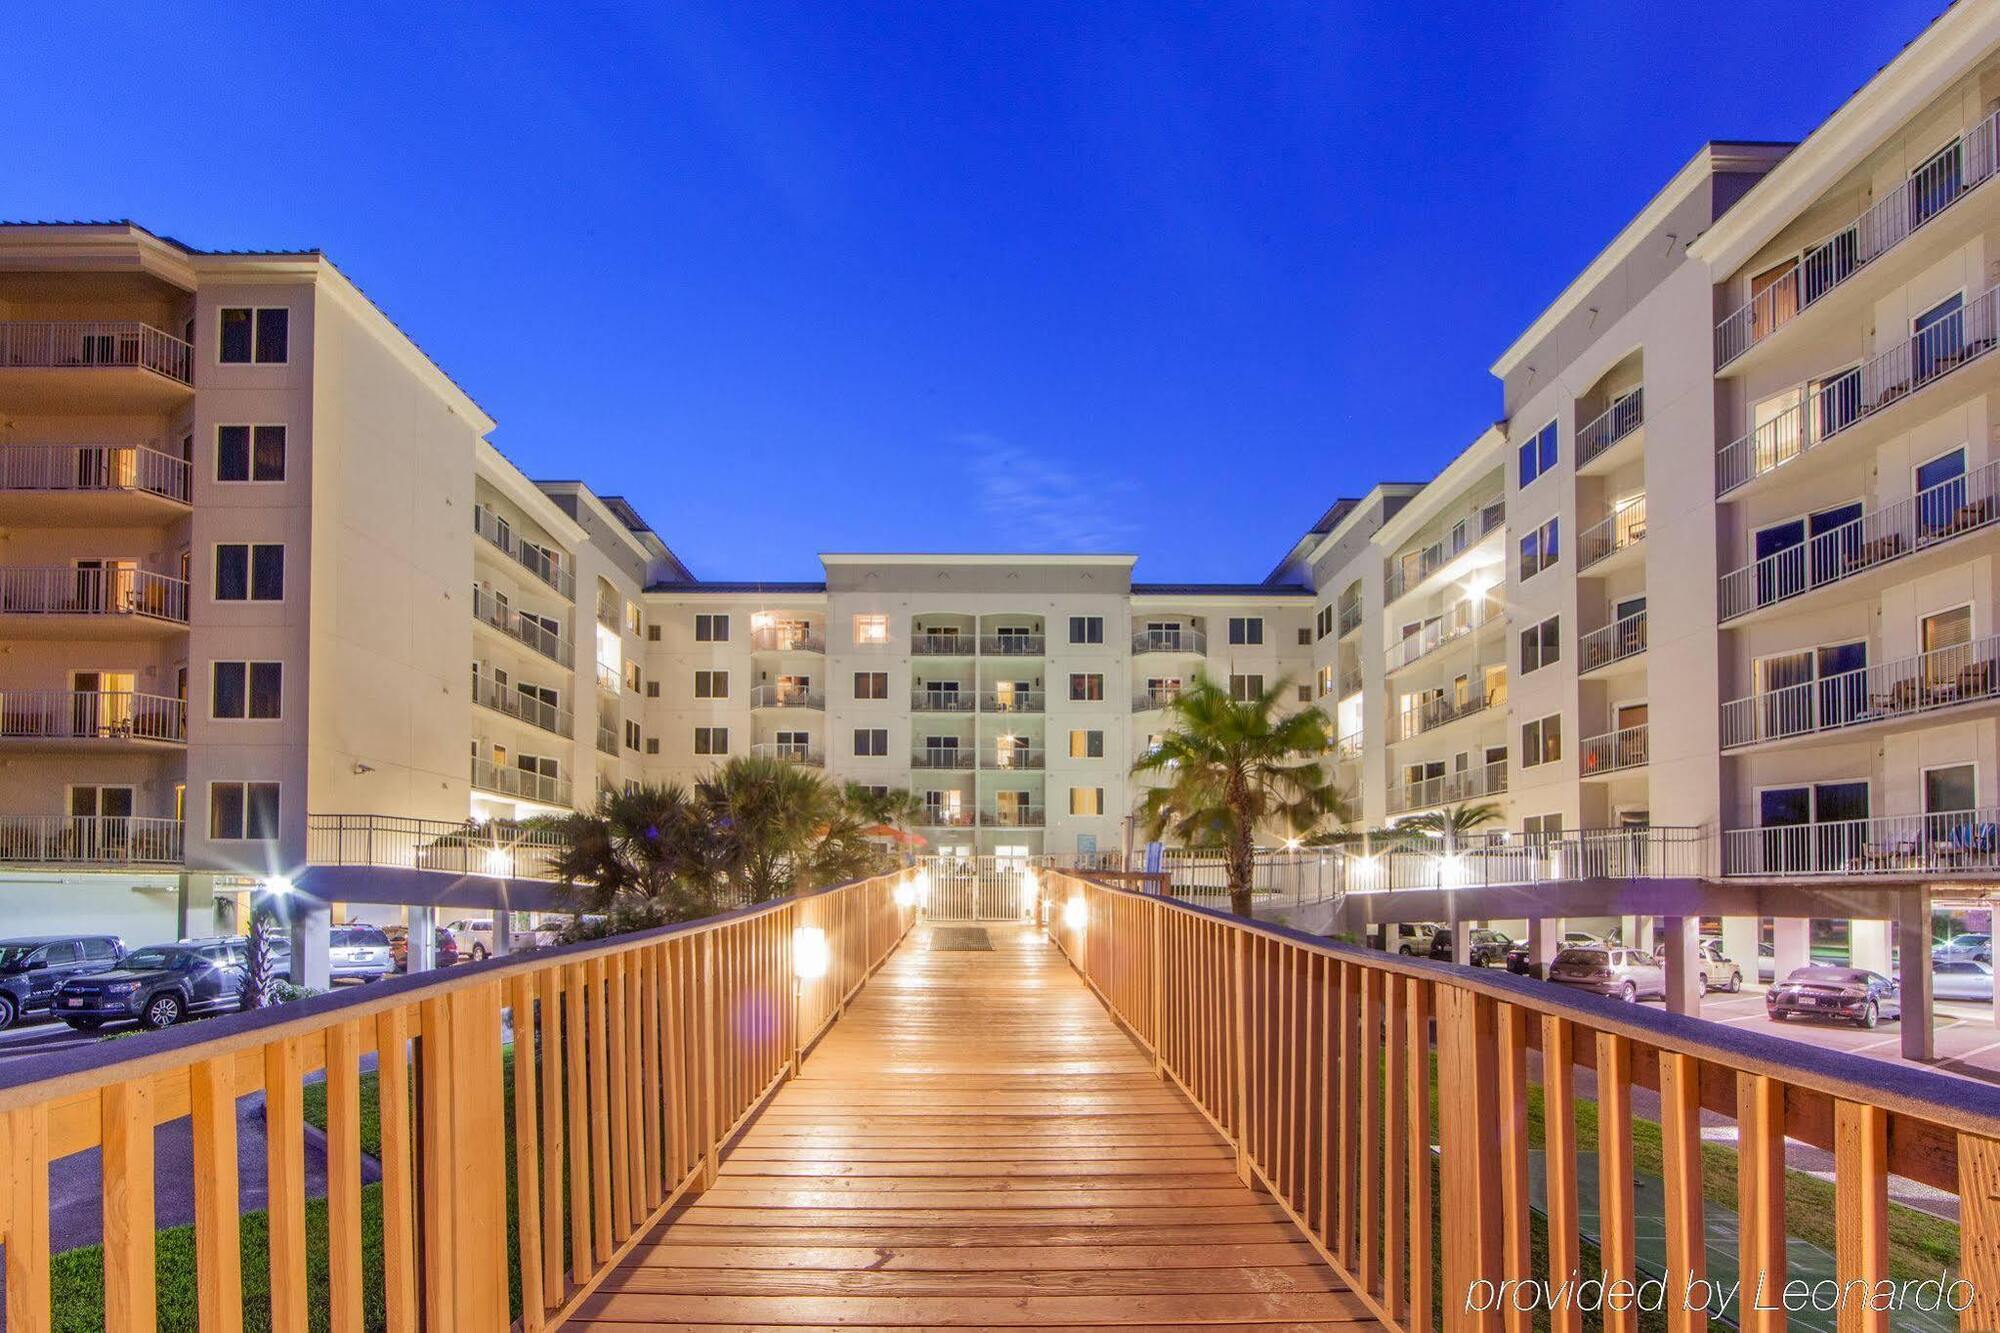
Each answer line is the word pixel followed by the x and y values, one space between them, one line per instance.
pixel 1086 800
pixel 871 629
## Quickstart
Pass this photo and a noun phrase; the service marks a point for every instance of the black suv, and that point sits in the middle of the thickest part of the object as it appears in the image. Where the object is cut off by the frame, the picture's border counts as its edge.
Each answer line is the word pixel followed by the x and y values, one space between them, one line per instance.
pixel 32 966
pixel 1489 947
pixel 158 986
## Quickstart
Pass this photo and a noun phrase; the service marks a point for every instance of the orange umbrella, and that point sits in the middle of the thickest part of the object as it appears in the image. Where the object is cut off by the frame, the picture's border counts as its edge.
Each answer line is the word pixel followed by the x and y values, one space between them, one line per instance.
pixel 895 835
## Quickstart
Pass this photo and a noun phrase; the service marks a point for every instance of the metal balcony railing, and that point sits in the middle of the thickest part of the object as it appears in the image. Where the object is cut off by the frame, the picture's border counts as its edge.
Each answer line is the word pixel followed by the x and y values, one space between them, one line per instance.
pixel 490 610
pixel 1463 618
pixel 607 740
pixel 1945 511
pixel 943 701
pixel 943 643
pixel 1624 527
pixel 1013 761
pixel 1822 410
pixel 95 344
pixel 100 715
pixel 70 591
pixel 1948 177
pixel 489 693
pixel 1350 618
pixel 520 783
pixel 786 639
pixel 1612 643
pixel 1012 645
pixel 1614 751
pixel 608 680
pixel 1031 816
pixel 1012 701
pixel 1170 641
pixel 1444 711
pixel 937 816
pixel 1625 415
pixel 1145 701
pixel 544 565
pixel 787 696
pixel 1925 683
pixel 1957 841
pixel 93 467
pixel 98 840
pixel 1448 788
pixel 1350 682
pixel 792 752
pixel 938 757
pixel 1411 568
pixel 1348 746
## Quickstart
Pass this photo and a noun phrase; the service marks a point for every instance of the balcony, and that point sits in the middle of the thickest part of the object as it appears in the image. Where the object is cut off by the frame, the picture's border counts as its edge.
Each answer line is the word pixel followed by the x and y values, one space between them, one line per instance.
pixel 1448 788
pixel 124 363
pixel 942 643
pixel 544 566
pixel 1464 618
pixel 1442 712
pixel 1958 842
pixel 1349 683
pixel 66 602
pixel 942 701
pixel 607 740
pixel 90 840
pixel 786 639
pixel 1607 644
pixel 938 816
pixel 938 758
pixel 790 752
pixel 607 679
pixel 71 719
pixel 495 614
pixel 90 485
pixel 1616 422
pixel 1412 570
pixel 1012 701
pixel 1192 641
pixel 1886 693
pixel 1348 747
pixel 1613 752
pixel 522 707
pixel 520 783
pixel 1012 645
pixel 1147 701
pixel 1826 265
pixel 1621 531
pixel 1013 761
pixel 1925 521
pixel 1027 816
pixel 1824 411
pixel 1350 619
pixel 787 696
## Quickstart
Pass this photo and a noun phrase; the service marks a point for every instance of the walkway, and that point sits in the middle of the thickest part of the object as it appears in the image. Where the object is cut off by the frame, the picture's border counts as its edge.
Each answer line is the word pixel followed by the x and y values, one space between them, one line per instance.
pixel 976 1145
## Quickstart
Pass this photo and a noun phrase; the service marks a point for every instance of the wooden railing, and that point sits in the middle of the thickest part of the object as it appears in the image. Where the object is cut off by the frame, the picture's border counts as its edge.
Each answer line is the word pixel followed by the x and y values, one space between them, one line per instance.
pixel 632 1062
pixel 1385 1103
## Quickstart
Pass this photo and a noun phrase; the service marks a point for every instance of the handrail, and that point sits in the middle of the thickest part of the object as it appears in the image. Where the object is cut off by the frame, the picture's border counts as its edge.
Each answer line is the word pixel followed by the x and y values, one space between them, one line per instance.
pixel 1409 568
pixel 1146 701
pixel 1948 177
pixel 632 1065
pixel 1012 701
pixel 1623 527
pixel 1315 1060
pixel 97 715
pixel 113 840
pixel 520 782
pixel 490 693
pixel 1012 645
pixel 1023 817
pixel 791 752
pixel 1626 414
pixel 1622 638
pixel 47 344
pixel 1946 842
pixel 941 643
pixel 783 639
pixel 1614 751
pixel 1431 636
pixel 547 566
pixel 66 590
pixel 1185 640
pixel 1469 784
pixel 1905 687
pixel 94 467
pixel 943 757
pixel 943 701
pixel 490 610
pixel 1445 710
pixel 607 740
pixel 1015 760
pixel 787 696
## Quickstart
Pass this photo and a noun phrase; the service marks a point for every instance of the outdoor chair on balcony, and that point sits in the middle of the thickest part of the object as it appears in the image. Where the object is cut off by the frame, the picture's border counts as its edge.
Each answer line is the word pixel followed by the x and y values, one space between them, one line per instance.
pixel 1967 843
pixel 1975 680
pixel 1900 698
pixel 1972 514
pixel 1886 547
pixel 1886 855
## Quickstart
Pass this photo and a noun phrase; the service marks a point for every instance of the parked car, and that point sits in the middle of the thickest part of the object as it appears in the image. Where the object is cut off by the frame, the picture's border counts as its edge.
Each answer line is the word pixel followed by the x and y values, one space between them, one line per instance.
pixel 1973 948
pixel 358 952
pixel 157 986
pixel 1412 939
pixel 1835 992
pixel 32 966
pixel 1715 970
pixel 1961 979
pixel 1488 948
pixel 474 937
pixel 1610 970
pixel 399 947
pixel 1517 957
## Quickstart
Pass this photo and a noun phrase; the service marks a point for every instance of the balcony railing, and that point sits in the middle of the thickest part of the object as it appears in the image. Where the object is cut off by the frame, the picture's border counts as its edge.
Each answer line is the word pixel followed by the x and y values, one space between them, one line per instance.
pixel 546 567
pixel 1612 643
pixel 943 701
pixel 1350 619
pixel 1821 411
pixel 1442 712
pixel 791 752
pixel 787 696
pixel 1013 761
pixel 1012 645
pixel 1625 415
pixel 489 693
pixel 1949 509
pixel 786 639
pixel 1449 788
pixel 608 679
pixel 938 643
pixel 95 344
pixel 1146 701
pixel 93 468
pixel 98 840
pixel 1624 527
pixel 1958 841
pixel 1012 701
pixel 93 715
pixel 70 591
pixel 1463 618
pixel 1907 687
pixel 1348 746
pixel 1170 641
pixel 1614 751
pixel 490 610
pixel 520 782
pixel 1948 177
pixel 1411 568
pixel 937 816
pixel 1349 682
pixel 1031 816
pixel 937 757
pixel 607 740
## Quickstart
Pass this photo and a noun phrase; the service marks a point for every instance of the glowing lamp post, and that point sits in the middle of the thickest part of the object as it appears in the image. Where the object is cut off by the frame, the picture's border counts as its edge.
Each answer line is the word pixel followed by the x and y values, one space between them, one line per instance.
pixel 810 955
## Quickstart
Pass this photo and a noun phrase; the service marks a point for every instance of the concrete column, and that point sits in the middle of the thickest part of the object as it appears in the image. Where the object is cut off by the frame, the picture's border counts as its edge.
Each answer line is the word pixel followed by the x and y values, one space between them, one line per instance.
pixel 1791 945
pixel 1544 942
pixel 423 939
pixel 1643 942
pixel 1870 946
pixel 503 933
pixel 1683 966
pixel 1628 931
pixel 1914 924
pixel 194 914
pixel 311 924
pixel 1740 938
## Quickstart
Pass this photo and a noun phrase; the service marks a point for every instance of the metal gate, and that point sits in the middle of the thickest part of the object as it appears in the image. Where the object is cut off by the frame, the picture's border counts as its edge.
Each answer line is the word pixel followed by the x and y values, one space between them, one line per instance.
pixel 978 888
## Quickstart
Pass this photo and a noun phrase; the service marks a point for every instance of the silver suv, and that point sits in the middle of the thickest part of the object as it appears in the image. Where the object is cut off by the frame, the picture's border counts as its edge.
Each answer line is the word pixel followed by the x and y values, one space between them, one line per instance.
pixel 1610 970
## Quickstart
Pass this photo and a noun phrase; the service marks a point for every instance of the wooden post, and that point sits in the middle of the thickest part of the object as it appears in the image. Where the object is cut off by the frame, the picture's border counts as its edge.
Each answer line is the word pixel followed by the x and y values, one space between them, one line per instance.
pixel 1239 1010
pixel 1760 1207
pixel 1469 1124
pixel 1559 1159
pixel 343 1177
pixel 527 1151
pixel 285 1173
pixel 705 1033
pixel 1680 1132
pixel 1514 1200
pixel 129 1225
pixel 1157 910
pixel 399 1227
pixel 1614 1174
pixel 1861 1197
pixel 1978 1224
pixel 1417 1014
pixel 218 1236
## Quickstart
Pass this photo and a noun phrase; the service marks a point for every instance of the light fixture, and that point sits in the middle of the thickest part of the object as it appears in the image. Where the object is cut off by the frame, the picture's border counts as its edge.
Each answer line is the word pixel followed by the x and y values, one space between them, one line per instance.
pixel 498 863
pixel 906 894
pixel 810 955
pixel 1292 844
pixel 278 886
pixel 1076 913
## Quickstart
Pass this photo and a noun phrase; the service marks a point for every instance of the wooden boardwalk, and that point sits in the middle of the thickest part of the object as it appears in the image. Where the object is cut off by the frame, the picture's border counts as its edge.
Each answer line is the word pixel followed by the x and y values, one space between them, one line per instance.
pixel 976 1145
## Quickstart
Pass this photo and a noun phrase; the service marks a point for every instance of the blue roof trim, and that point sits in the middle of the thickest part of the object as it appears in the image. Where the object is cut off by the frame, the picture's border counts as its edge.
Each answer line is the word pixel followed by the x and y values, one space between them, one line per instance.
pixel 1221 590
pixel 705 585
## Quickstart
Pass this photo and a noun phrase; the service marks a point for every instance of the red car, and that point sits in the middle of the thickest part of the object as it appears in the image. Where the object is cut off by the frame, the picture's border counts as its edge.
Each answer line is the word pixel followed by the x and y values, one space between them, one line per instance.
pixel 399 947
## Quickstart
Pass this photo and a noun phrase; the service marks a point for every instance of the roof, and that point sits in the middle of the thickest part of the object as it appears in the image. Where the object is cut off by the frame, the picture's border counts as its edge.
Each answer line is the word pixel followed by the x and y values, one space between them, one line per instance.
pixel 740 586
pixel 1221 590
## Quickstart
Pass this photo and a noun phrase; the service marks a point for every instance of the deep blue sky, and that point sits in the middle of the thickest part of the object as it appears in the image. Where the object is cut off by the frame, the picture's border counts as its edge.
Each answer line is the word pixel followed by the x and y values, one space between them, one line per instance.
pixel 810 277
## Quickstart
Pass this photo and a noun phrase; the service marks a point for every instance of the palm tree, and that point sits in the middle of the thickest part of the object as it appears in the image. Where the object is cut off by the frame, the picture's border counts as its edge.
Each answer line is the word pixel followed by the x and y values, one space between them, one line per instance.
pixel 1233 766
pixel 1451 824
pixel 644 856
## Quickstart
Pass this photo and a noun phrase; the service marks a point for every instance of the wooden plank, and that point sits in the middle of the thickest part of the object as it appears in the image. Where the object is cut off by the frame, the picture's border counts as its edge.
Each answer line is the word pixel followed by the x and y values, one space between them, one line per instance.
pixel 1346 1112
pixel 1861 1185
pixel 581 1247
pixel 1240 1045
pixel 1515 1203
pixel 1680 1134
pixel 1559 1159
pixel 597 1058
pixel 343 1177
pixel 1760 1183
pixel 1979 1229
pixel 27 1219
pixel 1417 992
pixel 218 1238
pixel 550 1053
pixel 521 990
pixel 617 1064
pixel 652 1170
pixel 437 1151
pixel 285 1183
pixel 1617 1225
pixel 1368 1230
pixel 129 1222
pixel 1398 1149
pixel 1468 1128
pixel 474 1269
pixel 399 1226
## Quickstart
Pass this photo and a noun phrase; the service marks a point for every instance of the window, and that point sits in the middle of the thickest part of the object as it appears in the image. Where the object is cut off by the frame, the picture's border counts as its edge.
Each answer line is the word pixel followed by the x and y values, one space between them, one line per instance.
pixel 634 621
pixel 711 684
pixel 871 684
pixel 652 634
pixel 1086 629
pixel 1323 622
pixel 240 810
pixel 1539 550
pixel 632 676
pixel 1541 645
pixel 1242 688
pixel 871 629
pixel 711 740
pixel 1086 745
pixel 632 736
pixel 1305 637
pixel 711 629
pixel 249 572
pixel 1538 453
pixel 871 741
pixel 1547 828
pixel 247 690
pixel 1541 741
pixel 1086 685
pixel 1086 800
pixel 652 689
pixel 1305 694
pixel 1950 789
pixel 262 335
pixel 1246 629
pixel 1327 681
pixel 249 453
